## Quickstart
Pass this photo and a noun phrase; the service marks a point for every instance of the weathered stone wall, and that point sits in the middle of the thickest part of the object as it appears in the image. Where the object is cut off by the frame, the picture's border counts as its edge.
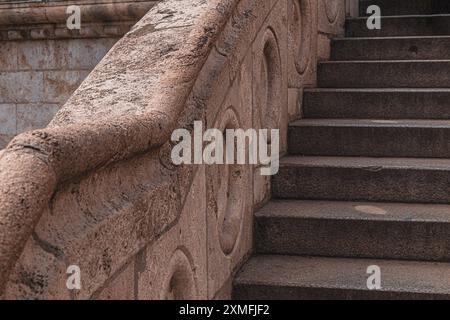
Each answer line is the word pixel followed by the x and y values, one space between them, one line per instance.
pixel 137 226
pixel 42 62
pixel 37 78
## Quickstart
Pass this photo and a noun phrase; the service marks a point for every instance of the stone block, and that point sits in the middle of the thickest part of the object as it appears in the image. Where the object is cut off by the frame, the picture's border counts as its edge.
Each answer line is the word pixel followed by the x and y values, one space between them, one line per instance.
pixel 8 119
pixel 34 116
pixel 8 56
pixel 22 87
pixel 105 218
pixel 36 55
pixel 4 140
pixel 84 54
pixel 60 85
pixel 40 272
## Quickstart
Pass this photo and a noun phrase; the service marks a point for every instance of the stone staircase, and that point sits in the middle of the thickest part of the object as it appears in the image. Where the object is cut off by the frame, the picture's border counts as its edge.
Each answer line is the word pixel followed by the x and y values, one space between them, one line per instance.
pixel 367 179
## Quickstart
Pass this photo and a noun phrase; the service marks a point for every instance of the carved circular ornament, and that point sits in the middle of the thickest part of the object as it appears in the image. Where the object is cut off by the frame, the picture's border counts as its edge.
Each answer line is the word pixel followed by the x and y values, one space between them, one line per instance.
pixel 268 84
pixel 228 182
pixel 300 31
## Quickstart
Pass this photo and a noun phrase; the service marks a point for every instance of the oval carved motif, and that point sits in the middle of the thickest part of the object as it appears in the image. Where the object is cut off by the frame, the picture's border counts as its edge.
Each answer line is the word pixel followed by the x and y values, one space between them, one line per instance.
pixel 268 83
pixel 229 186
pixel 300 32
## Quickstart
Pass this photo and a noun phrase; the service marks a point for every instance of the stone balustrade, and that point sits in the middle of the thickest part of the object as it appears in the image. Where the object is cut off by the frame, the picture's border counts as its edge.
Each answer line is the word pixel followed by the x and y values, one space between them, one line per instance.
pixel 97 187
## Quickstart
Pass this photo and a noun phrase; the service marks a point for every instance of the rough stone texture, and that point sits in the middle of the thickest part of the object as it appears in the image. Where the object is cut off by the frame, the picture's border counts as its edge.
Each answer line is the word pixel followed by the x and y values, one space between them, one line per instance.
pixel 120 287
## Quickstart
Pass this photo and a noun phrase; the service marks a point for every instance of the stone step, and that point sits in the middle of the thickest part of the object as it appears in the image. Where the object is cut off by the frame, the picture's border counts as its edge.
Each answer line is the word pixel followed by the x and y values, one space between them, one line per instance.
pixel 408 7
pixel 371 138
pixel 377 103
pixel 394 26
pixel 393 48
pixel 281 277
pixel 354 229
pixel 363 179
pixel 384 74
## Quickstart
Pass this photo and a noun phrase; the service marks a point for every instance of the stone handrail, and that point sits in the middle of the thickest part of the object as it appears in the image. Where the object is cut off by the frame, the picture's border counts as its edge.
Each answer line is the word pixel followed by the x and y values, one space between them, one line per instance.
pixel 102 167
pixel 34 163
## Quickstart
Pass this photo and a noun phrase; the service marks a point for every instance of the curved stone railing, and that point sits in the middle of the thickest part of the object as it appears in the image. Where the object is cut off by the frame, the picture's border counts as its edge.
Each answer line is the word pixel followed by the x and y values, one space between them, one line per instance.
pixel 97 189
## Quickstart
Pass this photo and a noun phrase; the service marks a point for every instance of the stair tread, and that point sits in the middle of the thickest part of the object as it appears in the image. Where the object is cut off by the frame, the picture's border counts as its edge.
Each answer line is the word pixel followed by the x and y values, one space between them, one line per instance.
pixel 408 16
pixel 377 90
pixel 383 74
pixel 376 103
pixel 405 48
pixel 369 163
pixel 391 38
pixel 332 62
pixel 414 123
pixel 401 25
pixel 345 273
pixel 353 210
pixel 402 7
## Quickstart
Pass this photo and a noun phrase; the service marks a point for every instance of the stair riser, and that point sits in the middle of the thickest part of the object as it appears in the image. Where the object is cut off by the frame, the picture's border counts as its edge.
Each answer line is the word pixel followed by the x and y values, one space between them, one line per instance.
pixel 353 238
pixel 370 184
pixel 272 292
pixel 384 75
pixel 408 7
pixel 391 49
pixel 370 141
pixel 376 105
pixel 401 26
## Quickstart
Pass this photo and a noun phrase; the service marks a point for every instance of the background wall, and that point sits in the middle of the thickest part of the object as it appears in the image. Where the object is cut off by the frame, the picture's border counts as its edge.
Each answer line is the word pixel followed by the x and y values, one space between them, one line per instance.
pixel 42 62
pixel 38 76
